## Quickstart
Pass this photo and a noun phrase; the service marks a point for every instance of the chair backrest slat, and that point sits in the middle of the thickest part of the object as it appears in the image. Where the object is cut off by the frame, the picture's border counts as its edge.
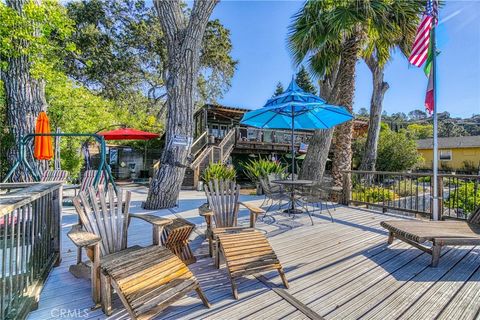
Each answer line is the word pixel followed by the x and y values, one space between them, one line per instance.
pixel 89 178
pixel 107 219
pixel 54 175
pixel 223 200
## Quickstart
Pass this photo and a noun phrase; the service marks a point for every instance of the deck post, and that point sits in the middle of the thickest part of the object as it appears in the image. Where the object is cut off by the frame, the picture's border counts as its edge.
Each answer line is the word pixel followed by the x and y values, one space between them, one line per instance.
pixel 440 197
pixel 346 193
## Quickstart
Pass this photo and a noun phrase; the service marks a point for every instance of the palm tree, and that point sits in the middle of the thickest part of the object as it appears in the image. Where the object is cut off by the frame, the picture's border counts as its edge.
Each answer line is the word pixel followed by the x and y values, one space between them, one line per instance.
pixel 331 36
pixel 398 34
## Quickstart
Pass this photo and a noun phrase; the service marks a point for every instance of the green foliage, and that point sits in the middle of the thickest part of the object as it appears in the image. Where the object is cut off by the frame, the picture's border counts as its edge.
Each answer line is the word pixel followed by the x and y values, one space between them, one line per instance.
pixel 465 197
pixel 40 32
pixel 304 81
pixel 258 168
pixel 373 194
pixel 278 89
pixel 122 50
pixel 405 187
pixel 74 109
pixel 218 171
pixel 448 128
pixel 396 151
pixel 470 167
pixel 419 131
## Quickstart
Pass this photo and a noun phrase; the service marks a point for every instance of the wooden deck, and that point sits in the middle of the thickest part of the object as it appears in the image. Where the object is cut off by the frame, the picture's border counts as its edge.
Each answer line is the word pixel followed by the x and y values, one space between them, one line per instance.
pixel 340 270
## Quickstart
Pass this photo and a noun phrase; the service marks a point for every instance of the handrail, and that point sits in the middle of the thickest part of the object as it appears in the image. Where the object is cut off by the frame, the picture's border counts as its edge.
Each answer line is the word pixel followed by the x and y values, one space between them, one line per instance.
pixel 412 191
pixel 418 174
pixel 30 243
pixel 30 193
pixel 203 137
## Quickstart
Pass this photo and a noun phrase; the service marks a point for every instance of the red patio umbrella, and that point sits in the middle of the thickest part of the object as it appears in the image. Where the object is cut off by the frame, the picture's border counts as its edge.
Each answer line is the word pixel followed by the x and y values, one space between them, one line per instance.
pixel 128 134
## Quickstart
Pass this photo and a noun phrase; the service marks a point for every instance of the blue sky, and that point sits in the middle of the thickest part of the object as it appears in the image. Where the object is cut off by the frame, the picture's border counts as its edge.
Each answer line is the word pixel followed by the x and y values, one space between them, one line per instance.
pixel 259 31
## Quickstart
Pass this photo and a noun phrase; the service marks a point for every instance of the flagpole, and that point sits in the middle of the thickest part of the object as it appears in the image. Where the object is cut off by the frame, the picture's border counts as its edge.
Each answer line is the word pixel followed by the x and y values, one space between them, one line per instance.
pixel 435 213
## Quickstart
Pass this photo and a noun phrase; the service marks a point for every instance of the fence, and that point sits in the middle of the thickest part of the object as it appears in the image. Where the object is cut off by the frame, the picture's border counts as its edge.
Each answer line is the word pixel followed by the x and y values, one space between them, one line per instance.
pixel 29 243
pixel 459 195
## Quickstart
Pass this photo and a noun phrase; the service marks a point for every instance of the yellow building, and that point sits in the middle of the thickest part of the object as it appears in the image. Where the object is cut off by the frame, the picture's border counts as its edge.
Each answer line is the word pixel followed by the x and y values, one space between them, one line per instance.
pixel 455 153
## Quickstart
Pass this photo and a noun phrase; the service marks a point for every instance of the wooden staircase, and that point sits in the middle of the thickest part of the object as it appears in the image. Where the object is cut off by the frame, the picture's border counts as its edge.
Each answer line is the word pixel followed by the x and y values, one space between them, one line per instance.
pixel 204 154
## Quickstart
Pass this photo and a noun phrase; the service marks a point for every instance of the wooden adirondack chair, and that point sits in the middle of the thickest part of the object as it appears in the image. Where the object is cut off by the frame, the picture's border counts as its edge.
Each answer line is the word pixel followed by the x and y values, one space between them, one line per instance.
pixel 222 209
pixel 245 249
pixel 147 280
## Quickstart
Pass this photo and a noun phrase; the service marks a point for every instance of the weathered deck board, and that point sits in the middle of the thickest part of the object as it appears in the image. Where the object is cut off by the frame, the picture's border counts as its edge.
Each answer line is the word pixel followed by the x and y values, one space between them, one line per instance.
pixel 342 270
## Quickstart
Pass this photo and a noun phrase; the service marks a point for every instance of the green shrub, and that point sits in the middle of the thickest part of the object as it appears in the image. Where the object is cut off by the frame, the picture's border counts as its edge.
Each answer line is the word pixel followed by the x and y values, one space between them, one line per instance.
pixel 426 179
pixel 405 188
pixel 373 194
pixel 255 169
pixel 465 197
pixel 218 171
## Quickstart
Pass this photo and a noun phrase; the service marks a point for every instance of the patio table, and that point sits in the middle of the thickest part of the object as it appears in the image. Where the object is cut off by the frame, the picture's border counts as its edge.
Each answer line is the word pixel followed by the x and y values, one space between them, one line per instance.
pixel 293 185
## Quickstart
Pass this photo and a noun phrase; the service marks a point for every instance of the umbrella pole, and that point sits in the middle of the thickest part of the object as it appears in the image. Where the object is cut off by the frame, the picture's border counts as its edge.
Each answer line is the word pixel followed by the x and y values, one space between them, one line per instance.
pixel 293 145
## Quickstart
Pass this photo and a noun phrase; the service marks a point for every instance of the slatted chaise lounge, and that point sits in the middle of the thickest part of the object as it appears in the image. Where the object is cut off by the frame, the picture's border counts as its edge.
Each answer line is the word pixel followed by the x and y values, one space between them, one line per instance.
pixel 438 233
pixel 245 249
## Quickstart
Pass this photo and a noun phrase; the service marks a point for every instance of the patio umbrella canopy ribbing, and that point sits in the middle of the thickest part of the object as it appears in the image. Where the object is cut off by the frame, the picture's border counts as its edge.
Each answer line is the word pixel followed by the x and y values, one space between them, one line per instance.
pixel 296 109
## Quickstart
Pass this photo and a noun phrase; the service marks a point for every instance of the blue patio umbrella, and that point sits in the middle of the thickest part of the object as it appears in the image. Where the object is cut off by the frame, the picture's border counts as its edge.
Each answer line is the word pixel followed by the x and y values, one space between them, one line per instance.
pixel 296 109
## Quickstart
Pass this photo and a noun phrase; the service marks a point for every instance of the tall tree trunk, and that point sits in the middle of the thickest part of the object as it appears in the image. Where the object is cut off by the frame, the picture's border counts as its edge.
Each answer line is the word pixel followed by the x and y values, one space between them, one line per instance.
pixel 313 167
pixel 25 98
pixel 345 86
pixel 379 88
pixel 183 39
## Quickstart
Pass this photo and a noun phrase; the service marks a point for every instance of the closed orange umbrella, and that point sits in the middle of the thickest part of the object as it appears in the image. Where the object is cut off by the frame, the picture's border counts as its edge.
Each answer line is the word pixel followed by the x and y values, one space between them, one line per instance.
pixel 43 144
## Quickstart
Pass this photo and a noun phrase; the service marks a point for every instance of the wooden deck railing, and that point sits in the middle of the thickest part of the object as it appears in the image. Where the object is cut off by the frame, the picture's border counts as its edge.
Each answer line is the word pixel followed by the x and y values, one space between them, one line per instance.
pixel 271 136
pixel 29 243
pixel 459 195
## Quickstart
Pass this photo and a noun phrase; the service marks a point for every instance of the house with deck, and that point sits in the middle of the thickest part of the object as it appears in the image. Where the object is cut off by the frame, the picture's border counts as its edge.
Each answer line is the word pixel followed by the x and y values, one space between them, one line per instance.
pixel 219 136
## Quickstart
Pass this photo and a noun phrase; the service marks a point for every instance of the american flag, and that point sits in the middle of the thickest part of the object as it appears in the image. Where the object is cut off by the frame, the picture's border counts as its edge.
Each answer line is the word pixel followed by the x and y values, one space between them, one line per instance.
pixel 422 39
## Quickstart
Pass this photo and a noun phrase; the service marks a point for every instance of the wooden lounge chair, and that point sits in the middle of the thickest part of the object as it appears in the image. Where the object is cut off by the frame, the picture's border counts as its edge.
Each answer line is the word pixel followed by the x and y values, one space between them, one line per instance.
pixel 246 250
pixel 438 233
pixel 147 280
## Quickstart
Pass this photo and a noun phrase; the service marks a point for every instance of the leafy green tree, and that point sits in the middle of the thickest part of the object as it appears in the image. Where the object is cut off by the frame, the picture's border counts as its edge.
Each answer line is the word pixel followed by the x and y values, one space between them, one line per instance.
pixel 448 128
pixel 419 131
pixel 33 36
pixel 363 112
pixel 122 50
pixel 396 31
pixel 304 81
pixel 417 115
pixel 278 89
pixel 396 151
pixel 332 35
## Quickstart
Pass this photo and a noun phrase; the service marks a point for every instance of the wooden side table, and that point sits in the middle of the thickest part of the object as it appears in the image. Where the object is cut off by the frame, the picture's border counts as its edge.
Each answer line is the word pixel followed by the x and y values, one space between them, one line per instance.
pixel 175 237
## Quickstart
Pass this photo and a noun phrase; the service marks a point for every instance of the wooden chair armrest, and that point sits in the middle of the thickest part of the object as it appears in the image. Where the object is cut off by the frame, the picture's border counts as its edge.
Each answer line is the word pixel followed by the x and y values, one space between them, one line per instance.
pixel 82 238
pixel 252 208
pixel 154 220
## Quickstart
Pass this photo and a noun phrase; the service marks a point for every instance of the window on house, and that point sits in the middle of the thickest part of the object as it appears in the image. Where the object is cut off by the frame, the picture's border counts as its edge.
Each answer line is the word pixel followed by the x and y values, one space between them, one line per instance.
pixel 445 155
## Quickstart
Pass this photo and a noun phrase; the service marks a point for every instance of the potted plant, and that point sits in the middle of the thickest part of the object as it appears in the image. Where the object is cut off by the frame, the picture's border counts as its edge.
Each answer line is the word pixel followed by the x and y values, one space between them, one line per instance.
pixel 261 168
